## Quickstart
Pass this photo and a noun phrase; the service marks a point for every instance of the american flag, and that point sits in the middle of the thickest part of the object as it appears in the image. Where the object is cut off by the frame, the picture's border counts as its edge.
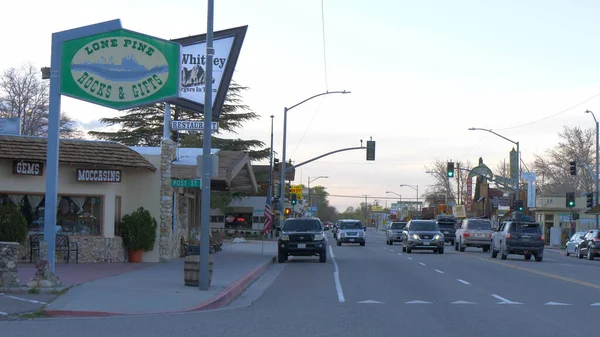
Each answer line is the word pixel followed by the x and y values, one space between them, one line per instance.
pixel 268 221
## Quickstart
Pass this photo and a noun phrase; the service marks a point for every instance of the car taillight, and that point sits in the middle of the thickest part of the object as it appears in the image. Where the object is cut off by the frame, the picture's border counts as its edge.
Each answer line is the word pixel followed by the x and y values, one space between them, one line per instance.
pixel 466 234
pixel 508 235
pixel 543 238
pixel 596 240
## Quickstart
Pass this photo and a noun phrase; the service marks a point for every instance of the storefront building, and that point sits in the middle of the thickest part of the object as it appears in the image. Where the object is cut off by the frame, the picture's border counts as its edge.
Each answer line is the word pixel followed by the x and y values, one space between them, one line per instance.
pixel 560 222
pixel 99 182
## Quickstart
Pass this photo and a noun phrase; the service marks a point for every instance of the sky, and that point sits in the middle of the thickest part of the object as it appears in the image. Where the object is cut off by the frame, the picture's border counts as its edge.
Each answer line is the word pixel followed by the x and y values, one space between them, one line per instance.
pixel 420 74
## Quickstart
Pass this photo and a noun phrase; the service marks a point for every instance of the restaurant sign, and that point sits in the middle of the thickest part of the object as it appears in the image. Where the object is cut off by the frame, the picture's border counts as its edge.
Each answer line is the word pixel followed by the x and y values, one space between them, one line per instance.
pixel 98 175
pixel 28 168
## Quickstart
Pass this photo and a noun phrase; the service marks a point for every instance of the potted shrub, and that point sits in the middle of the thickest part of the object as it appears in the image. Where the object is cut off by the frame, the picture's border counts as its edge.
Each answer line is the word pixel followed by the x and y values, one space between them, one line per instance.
pixel 138 231
pixel 13 226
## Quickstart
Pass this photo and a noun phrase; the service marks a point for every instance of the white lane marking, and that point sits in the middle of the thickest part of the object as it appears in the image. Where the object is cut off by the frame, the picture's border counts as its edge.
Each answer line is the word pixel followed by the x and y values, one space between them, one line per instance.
pixel 439 271
pixel 336 278
pixel 2 313
pixel 410 258
pixel 421 263
pixel 417 302
pixel 463 281
pixel 400 254
pixel 24 299
pixel 463 302
pixel 597 304
pixel 556 303
pixel 391 250
pixel 370 302
pixel 504 300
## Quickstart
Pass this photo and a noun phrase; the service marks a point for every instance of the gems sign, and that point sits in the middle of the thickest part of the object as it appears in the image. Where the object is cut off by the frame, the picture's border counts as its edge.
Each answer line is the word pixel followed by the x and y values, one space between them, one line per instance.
pixel 120 69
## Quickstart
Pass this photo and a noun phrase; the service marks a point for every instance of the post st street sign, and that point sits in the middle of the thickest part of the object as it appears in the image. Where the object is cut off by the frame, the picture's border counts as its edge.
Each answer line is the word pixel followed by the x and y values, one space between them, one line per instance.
pixel 192 125
pixel 120 69
pixel 191 183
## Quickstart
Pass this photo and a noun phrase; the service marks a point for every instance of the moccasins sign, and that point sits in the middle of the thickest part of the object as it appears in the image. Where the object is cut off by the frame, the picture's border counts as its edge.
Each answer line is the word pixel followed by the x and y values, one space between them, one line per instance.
pixel 120 69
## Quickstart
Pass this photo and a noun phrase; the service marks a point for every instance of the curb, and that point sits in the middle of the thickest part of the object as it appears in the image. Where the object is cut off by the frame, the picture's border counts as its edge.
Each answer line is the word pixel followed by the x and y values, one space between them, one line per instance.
pixel 223 298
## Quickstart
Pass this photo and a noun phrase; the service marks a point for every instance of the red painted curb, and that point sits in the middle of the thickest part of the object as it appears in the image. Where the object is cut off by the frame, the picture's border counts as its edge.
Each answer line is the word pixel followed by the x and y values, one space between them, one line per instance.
pixel 223 298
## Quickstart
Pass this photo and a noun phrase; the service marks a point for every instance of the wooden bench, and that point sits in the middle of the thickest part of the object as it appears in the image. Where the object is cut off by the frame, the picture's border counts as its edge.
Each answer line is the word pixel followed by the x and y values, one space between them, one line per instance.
pixel 62 245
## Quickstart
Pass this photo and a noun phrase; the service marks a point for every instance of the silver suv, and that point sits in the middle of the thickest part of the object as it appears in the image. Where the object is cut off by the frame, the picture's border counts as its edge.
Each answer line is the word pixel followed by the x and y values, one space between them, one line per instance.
pixel 351 231
pixel 423 235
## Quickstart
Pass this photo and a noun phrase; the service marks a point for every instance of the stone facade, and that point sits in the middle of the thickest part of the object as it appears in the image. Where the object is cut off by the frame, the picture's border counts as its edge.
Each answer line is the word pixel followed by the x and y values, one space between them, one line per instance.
pixel 9 252
pixel 91 250
pixel 165 239
pixel 181 230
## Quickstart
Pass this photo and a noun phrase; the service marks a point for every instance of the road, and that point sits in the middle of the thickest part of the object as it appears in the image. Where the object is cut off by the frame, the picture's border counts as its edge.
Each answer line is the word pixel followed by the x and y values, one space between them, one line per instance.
pixel 377 290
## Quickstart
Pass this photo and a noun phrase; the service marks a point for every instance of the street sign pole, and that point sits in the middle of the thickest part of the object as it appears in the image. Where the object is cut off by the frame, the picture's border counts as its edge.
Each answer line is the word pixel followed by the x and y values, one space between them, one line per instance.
pixel 204 282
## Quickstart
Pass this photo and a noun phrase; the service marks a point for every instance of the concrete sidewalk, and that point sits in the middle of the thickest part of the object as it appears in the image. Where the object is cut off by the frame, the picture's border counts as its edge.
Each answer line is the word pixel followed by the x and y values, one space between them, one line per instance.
pixel 159 288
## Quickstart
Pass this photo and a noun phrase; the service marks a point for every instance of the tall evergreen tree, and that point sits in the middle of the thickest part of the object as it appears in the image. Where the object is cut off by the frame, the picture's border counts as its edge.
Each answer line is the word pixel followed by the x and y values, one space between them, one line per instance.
pixel 143 126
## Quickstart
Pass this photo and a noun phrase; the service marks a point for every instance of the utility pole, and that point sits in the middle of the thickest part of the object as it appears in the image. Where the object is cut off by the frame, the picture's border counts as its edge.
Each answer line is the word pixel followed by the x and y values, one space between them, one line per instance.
pixel 366 209
pixel 458 183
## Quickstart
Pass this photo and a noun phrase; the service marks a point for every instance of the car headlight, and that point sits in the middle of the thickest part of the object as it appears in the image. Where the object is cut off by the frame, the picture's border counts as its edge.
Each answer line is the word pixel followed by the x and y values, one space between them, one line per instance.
pixel 341 233
pixel 285 237
pixel 438 237
pixel 319 237
pixel 415 236
pixel 361 233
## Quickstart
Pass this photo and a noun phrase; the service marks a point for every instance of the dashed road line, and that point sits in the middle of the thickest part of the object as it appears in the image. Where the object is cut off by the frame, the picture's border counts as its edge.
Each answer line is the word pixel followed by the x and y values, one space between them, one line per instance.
pixel 439 271
pixel 400 254
pixel 463 281
pixel 410 258
pixel 421 263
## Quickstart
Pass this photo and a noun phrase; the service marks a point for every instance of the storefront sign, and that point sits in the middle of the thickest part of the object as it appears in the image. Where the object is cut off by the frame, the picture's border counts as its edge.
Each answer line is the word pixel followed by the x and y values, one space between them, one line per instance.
pixel 227 45
pixel 120 69
pixel 98 175
pixel 28 168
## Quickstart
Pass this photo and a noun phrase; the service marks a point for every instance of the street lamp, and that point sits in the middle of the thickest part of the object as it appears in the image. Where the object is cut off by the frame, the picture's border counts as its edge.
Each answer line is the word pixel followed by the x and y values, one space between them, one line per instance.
pixel 310 181
pixel 416 188
pixel 282 181
pixel 597 165
pixel 399 195
pixel 518 158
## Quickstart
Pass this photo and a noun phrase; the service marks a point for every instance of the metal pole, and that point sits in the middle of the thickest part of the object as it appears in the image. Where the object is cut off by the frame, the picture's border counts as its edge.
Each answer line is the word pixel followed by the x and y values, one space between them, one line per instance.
pixel 366 208
pixel 204 282
pixel 167 122
pixel 282 179
pixel 597 170
pixel 518 173
pixel 52 151
pixel 458 184
pixel 271 180
pixel 418 207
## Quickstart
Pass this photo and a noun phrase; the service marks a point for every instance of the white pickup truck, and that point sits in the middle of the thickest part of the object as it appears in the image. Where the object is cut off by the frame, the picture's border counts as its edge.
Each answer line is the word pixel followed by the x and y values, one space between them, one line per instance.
pixel 474 233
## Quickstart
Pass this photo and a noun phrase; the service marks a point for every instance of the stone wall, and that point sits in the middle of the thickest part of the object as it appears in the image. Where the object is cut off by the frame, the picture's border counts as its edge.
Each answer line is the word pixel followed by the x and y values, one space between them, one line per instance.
pixel 9 252
pixel 91 250
pixel 165 239
pixel 181 230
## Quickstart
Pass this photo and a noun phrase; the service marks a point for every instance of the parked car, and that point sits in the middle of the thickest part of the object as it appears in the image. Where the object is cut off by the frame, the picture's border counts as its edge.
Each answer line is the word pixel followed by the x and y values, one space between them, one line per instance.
pixel 572 246
pixel 589 245
pixel 422 235
pixel 394 233
pixel 302 237
pixel 351 231
pixel 473 233
pixel 520 235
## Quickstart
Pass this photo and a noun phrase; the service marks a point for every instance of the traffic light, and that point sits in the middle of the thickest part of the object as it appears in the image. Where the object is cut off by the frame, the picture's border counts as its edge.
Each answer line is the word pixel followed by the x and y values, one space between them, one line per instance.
pixel 573 167
pixel 288 211
pixel 570 199
pixel 519 205
pixel 276 165
pixel 450 169
pixel 294 199
pixel 589 200
pixel 370 150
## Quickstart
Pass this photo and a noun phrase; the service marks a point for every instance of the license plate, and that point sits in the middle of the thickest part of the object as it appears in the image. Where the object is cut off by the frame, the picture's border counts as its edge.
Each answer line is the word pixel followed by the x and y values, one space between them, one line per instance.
pixel 302 245
pixel 425 243
pixel 446 232
pixel 480 235
pixel 351 240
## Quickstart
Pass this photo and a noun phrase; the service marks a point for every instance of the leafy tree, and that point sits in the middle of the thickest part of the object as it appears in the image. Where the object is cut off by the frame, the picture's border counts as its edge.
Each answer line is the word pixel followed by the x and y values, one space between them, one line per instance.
pixel 143 126
pixel 25 95
pixel 318 198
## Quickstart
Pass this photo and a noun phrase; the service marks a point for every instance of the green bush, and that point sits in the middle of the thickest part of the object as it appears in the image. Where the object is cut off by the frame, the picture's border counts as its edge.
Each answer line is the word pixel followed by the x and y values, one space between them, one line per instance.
pixel 13 226
pixel 138 230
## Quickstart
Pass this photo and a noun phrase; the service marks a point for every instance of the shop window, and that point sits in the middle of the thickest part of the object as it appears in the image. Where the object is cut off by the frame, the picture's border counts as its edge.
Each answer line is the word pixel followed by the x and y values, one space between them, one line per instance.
pixel 217 218
pixel 75 215
pixel 117 216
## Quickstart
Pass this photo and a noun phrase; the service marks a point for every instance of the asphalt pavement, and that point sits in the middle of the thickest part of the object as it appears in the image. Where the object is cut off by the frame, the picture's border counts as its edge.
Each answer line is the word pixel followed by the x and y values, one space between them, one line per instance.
pixel 378 290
